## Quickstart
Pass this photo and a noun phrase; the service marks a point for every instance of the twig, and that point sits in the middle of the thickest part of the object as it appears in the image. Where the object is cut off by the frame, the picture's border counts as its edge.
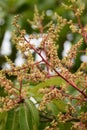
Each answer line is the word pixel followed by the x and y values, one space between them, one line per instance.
pixel 83 33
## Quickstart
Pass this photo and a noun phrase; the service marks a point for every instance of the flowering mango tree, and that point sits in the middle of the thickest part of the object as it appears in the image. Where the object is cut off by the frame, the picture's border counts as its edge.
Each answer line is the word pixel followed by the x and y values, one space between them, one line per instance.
pixel 46 94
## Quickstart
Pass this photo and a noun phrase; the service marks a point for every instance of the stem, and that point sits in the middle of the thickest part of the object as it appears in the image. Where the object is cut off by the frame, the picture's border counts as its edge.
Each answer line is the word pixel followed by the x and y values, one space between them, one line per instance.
pixel 47 63
pixel 83 33
pixel 71 83
pixel 22 68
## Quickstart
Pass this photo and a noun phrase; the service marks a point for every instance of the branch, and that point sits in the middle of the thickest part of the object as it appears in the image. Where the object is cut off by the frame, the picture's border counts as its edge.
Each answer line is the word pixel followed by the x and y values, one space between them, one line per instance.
pixel 47 63
pixel 83 32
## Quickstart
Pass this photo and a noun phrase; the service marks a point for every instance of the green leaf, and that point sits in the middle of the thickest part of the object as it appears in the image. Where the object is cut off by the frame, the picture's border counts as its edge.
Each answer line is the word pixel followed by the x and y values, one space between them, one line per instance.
pixel 35 114
pixel 23 118
pixel 65 126
pixel 29 116
pixel 54 81
pixel 84 108
pixel 3 116
pixel 12 122
pixel 60 105
pixel 2 4
pixel 52 107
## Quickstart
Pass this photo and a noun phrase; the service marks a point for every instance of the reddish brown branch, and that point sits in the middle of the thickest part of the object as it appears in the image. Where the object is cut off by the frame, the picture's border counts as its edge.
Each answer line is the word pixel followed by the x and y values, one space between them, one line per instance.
pixel 47 63
pixel 83 32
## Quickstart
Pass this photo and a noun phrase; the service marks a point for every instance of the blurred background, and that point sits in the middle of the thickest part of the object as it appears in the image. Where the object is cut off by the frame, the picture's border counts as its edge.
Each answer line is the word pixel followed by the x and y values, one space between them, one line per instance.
pixel 10 8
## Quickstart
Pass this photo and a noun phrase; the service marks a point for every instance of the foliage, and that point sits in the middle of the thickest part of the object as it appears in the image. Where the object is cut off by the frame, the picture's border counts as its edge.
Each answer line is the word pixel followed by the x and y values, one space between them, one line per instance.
pixel 59 92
